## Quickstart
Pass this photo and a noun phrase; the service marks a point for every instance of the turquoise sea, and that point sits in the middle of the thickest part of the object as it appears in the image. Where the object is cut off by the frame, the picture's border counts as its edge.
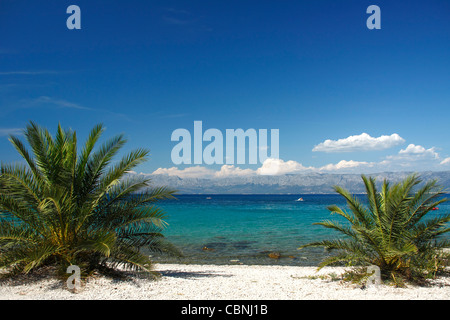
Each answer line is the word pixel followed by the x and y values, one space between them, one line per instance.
pixel 226 229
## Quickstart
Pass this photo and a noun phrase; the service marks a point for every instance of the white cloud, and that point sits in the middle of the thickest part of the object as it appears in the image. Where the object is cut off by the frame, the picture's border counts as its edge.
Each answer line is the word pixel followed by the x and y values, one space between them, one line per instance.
pixel 64 104
pixel 230 171
pixel 344 164
pixel 413 157
pixel 203 172
pixel 60 103
pixel 269 167
pixel 11 131
pixel 414 150
pixel 362 142
pixel 279 167
pixel 190 172
pixel 273 166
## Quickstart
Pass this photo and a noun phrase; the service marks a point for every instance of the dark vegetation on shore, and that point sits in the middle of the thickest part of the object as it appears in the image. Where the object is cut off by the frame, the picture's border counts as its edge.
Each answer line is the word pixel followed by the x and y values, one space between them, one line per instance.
pixel 63 206
pixel 393 232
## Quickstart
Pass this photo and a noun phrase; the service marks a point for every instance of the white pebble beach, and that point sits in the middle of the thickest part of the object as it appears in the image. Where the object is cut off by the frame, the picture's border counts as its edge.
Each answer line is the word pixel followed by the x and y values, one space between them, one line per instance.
pixel 222 282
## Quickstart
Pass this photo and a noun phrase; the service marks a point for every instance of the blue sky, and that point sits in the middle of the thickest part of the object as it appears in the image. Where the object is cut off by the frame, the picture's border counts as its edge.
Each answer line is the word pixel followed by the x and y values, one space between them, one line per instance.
pixel 311 69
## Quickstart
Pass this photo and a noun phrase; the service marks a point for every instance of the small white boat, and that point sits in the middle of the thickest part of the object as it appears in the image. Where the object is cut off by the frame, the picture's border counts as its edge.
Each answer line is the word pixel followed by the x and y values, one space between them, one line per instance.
pixel 208 198
pixel 300 199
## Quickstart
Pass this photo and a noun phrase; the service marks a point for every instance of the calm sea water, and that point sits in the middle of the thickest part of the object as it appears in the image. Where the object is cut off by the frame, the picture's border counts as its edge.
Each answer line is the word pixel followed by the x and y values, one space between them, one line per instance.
pixel 247 228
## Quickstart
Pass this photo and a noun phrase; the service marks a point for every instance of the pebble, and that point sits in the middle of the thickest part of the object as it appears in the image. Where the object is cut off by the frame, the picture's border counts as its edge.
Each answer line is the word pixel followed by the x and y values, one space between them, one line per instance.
pixel 224 282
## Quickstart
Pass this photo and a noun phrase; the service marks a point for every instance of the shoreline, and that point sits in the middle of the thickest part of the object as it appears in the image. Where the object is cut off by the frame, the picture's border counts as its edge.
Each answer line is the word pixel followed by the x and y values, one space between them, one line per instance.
pixel 222 282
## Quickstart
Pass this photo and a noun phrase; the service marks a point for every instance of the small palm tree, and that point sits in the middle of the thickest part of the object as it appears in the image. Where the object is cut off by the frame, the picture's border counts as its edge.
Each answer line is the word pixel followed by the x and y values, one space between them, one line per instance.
pixel 391 231
pixel 64 207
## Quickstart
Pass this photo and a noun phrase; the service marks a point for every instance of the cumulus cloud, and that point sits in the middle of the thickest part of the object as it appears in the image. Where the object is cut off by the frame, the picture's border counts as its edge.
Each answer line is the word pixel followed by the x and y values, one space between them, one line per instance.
pixel 279 167
pixel 413 157
pixel 344 164
pixel 270 166
pixel 190 172
pixel 273 166
pixel 203 172
pixel 362 142
pixel 232 171
pixel 416 150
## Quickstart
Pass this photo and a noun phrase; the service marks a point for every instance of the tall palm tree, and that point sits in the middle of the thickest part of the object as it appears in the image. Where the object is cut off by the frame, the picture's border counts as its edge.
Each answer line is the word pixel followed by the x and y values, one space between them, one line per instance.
pixel 66 206
pixel 391 231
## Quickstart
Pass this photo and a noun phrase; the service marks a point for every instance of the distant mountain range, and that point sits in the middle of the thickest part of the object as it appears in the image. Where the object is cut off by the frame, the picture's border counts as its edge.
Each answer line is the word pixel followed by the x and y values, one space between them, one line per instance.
pixel 311 183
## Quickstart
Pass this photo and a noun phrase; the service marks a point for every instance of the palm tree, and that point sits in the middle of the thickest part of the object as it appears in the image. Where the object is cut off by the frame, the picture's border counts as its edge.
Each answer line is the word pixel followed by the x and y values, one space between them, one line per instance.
pixel 391 231
pixel 67 207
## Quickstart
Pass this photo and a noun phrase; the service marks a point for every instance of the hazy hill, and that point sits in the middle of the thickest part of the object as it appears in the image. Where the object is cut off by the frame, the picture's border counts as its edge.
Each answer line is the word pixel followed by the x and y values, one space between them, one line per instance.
pixel 291 183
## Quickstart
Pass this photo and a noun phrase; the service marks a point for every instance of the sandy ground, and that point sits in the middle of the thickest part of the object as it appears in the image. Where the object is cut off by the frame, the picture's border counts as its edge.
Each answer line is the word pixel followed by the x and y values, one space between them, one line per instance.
pixel 224 282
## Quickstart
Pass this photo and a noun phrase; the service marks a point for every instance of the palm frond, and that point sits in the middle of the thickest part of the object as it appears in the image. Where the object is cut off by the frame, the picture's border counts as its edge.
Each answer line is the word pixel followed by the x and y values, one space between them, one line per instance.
pixel 393 231
pixel 65 207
